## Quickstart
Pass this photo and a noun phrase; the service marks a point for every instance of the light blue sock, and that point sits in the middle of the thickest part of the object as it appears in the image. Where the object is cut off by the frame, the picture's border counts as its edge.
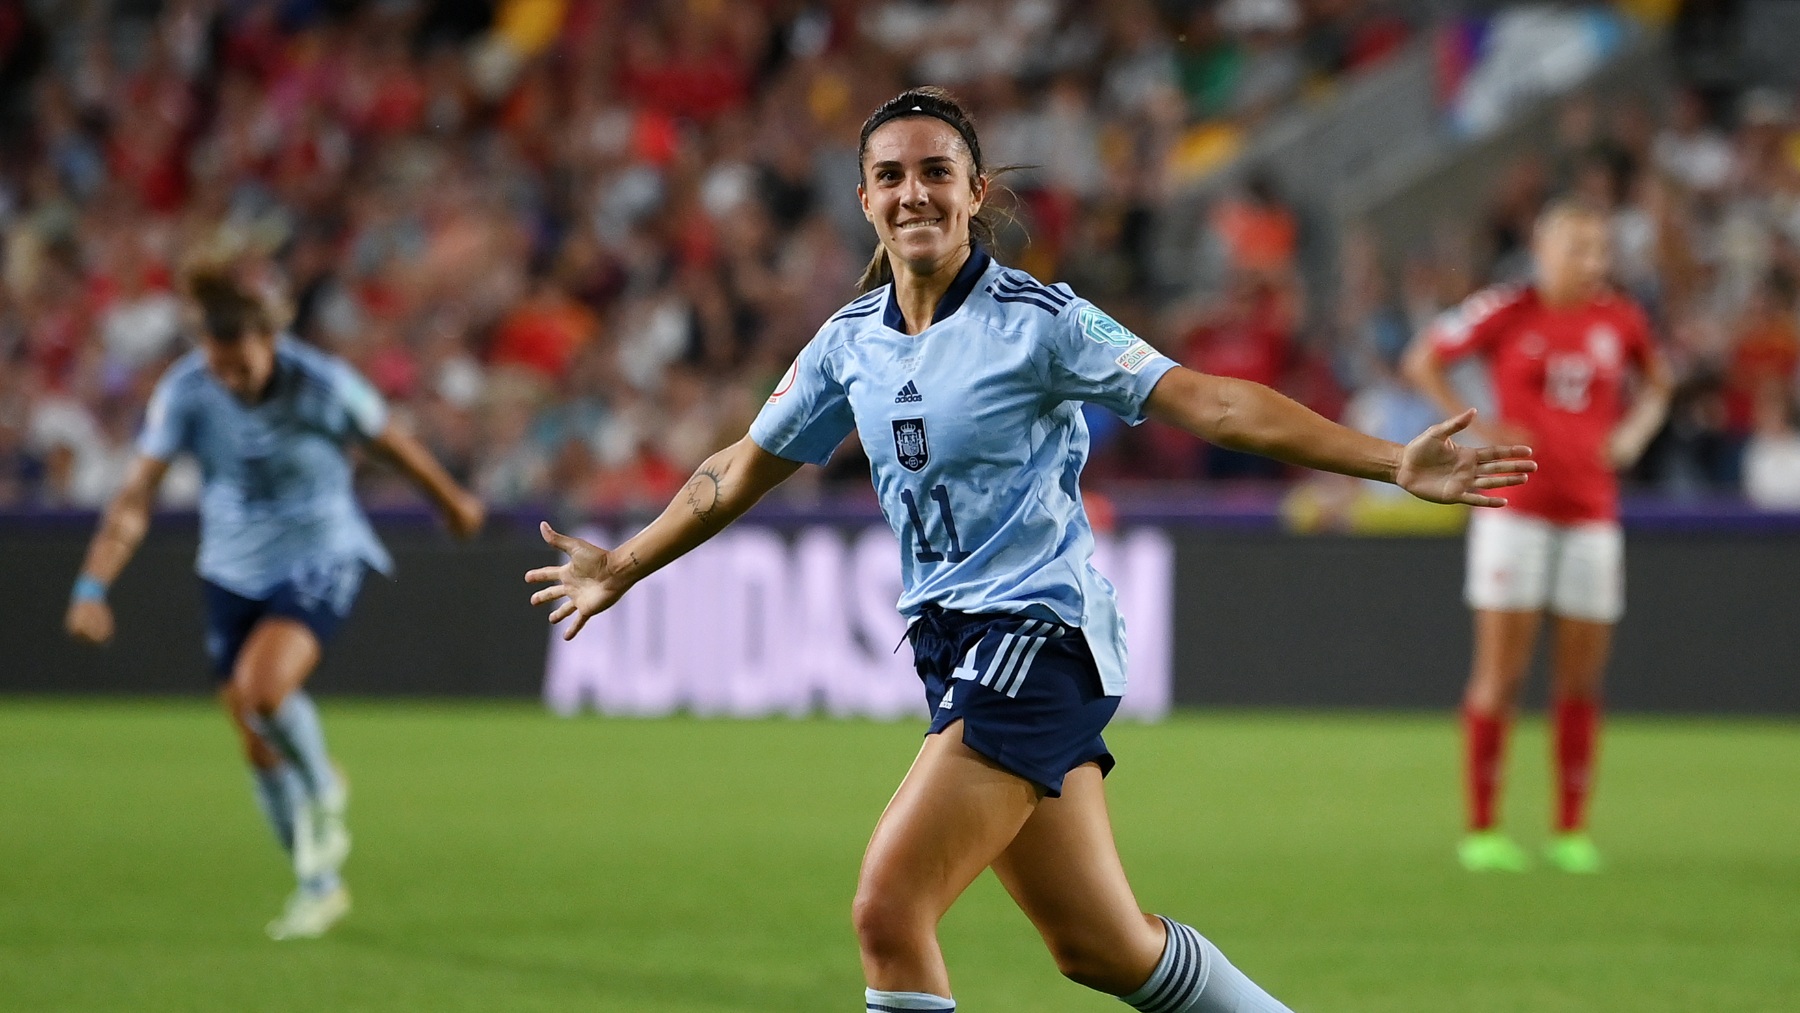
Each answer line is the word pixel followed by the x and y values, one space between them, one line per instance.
pixel 324 882
pixel 294 730
pixel 278 791
pixel 904 1002
pixel 1194 977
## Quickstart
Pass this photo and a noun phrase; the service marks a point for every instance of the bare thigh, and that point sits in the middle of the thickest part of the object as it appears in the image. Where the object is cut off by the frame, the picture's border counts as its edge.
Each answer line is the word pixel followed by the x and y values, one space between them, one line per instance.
pixel 277 658
pixel 1579 655
pixel 1503 646
pixel 952 816
pixel 1063 870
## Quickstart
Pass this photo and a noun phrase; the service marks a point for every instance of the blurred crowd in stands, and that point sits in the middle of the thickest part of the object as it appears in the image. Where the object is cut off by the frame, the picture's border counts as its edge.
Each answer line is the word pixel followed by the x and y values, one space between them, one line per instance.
pixel 574 242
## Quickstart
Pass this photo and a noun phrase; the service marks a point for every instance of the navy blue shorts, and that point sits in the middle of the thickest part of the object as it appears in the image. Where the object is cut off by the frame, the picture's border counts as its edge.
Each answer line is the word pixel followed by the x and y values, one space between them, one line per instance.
pixel 319 595
pixel 1026 690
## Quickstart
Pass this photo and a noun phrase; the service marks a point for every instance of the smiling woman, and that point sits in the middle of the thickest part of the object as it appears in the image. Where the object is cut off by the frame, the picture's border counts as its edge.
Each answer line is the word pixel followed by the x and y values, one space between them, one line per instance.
pixel 964 378
pixel 930 211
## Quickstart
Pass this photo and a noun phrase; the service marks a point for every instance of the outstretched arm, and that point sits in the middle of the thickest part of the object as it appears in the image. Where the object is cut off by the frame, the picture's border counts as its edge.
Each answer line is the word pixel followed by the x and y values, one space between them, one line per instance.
pixel 725 486
pixel 462 510
pixel 121 530
pixel 1240 415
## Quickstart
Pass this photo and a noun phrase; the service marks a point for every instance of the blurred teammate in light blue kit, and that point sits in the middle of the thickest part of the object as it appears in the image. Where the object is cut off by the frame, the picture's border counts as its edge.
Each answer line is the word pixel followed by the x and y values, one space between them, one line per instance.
pixel 283 549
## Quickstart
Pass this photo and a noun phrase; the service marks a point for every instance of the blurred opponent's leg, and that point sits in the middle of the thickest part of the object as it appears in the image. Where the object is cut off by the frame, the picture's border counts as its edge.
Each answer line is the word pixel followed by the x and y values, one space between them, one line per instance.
pixel 1578 665
pixel 1064 872
pixel 1503 647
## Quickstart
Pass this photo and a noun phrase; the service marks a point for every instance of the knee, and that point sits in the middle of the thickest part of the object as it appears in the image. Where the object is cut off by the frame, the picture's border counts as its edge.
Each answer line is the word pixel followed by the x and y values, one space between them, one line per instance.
pixel 887 925
pixel 1110 956
pixel 1096 963
pixel 253 695
pixel 1492 692
pixel 256 751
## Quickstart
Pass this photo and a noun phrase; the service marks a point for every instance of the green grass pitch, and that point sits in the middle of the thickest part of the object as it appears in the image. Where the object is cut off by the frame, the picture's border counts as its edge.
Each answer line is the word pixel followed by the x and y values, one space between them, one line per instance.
pixel 511 861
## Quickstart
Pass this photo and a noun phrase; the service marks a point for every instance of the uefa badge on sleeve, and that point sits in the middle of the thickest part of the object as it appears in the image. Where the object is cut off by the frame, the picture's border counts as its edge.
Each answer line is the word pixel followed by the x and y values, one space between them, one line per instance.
pixel 909 443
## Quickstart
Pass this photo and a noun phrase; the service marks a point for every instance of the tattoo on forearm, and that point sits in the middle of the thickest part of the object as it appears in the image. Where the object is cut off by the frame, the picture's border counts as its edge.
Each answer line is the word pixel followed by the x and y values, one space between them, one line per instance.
pixel 703 493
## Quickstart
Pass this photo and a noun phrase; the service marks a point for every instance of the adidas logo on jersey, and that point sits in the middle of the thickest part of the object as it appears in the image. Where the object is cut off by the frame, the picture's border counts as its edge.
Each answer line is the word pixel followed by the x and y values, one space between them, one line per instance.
pixel 909 394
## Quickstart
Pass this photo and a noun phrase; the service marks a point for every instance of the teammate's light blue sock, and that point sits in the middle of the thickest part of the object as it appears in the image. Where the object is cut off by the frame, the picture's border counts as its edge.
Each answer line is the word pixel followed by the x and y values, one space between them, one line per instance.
pixel 904 1002
pixel 294 730
pixel 278 792
pixel 323 883
pixel 1194 977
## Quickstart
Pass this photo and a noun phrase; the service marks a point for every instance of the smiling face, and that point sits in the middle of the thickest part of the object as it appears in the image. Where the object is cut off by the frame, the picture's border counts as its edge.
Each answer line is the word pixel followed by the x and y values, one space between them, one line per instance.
pixel 920 191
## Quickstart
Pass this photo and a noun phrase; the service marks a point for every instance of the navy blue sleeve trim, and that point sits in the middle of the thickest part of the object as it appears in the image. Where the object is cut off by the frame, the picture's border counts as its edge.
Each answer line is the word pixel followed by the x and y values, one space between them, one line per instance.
pixel 861 306
pixel 1025 285
pixel 1045 305
pixel 855 314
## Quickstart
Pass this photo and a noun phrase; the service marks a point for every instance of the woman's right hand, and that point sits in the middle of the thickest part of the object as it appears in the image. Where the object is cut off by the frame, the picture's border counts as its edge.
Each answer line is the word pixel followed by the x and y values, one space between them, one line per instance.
pixel 589 580
pixel 90 621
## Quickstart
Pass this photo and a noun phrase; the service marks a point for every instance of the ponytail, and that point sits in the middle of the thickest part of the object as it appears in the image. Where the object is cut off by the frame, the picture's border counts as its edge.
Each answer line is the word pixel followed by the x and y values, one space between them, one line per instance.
pixel 878 273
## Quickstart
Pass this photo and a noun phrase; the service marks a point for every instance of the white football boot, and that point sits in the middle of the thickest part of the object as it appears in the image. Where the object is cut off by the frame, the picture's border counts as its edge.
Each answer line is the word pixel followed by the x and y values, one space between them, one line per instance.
pixel 309 915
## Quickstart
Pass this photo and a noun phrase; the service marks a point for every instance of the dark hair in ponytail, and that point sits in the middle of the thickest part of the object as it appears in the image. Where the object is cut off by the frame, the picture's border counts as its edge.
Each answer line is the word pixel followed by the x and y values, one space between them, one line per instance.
pixel 939 104
pixel 230 310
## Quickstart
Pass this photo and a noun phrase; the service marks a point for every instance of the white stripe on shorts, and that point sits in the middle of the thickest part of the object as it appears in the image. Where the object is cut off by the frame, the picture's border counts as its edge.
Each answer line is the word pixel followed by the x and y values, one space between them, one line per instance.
pixel 1025 666
pixel 1026 643
pixel 1009 647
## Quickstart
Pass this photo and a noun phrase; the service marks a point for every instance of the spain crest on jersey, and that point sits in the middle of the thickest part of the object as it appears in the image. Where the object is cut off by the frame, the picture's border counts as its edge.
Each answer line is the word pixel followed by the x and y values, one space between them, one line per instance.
pixel 910 447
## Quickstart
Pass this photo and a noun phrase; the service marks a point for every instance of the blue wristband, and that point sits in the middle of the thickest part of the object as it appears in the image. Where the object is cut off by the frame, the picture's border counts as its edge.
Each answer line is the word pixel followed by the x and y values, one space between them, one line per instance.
pixel 88 589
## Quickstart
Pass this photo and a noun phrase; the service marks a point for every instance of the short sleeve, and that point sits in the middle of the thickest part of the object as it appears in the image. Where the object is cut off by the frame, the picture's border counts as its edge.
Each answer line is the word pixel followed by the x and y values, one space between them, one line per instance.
pixel 1095 359
pixel 808 414
pixel 365 412
pixel 165 431
pixel 1474 326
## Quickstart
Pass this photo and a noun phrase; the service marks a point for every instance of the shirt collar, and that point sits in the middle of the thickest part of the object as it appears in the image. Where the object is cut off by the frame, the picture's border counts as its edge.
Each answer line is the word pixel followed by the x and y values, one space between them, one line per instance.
pixel 954 296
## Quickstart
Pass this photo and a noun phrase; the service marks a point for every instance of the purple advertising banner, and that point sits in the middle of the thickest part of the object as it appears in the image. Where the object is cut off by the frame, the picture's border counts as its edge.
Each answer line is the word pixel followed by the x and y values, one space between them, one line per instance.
pixel 760 622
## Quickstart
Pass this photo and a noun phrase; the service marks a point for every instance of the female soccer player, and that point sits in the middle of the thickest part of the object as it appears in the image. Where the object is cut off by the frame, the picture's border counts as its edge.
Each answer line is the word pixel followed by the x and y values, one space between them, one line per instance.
pixel 283 546
pixel 1561 352
pixel 964 379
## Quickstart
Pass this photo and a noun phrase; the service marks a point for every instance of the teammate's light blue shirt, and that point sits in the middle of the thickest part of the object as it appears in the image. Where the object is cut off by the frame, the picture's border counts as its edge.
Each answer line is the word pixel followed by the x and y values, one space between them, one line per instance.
pixel 975 439
pixel 278 495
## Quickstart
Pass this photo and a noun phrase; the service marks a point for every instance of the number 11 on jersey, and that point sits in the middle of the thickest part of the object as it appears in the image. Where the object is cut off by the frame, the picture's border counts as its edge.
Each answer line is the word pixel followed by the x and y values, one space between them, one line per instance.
pixel 925 553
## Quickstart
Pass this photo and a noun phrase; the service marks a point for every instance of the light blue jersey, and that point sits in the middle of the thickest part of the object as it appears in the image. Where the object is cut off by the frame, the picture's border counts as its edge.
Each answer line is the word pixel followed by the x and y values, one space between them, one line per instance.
pixel 975 440
pixel 278 498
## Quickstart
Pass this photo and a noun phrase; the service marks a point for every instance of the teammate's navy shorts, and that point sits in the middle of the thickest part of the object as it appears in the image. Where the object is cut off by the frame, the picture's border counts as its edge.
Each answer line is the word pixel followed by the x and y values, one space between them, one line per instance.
pixel 1026 690
pixel 318 595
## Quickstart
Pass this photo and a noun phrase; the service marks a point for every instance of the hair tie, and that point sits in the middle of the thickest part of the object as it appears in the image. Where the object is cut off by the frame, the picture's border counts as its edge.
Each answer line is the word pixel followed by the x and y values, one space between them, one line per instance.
pixel 894 111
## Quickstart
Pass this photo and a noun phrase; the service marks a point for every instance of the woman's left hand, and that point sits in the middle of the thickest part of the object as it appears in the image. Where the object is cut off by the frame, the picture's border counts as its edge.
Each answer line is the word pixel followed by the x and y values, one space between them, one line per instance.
pixel 1435 468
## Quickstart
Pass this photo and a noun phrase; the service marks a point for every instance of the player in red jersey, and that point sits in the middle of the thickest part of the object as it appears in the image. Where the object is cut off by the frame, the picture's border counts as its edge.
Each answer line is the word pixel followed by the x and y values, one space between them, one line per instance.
pixel 1577 375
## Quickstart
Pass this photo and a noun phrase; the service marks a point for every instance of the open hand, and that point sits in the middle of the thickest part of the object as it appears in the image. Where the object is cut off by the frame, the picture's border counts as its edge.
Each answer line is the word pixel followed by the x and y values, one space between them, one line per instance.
pixel 1435 468
pixel 89 621
pixel 588 580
